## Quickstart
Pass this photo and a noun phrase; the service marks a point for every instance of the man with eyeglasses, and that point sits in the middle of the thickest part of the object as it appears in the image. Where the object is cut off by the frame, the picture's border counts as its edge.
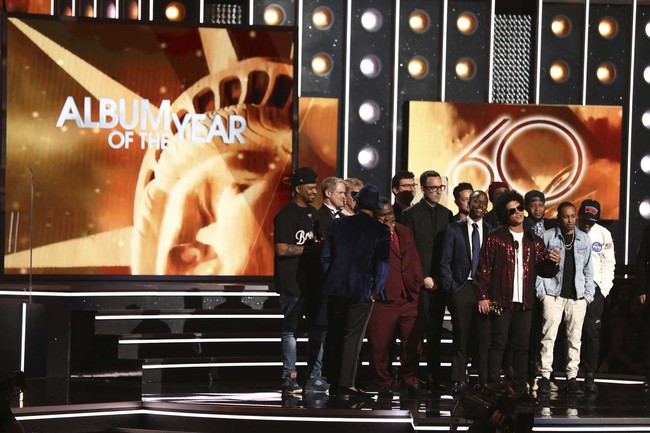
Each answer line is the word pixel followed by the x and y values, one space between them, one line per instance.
pixel 403 186
pixel 428 220
pixel 397 313
pixel 462 191
pixel 508 266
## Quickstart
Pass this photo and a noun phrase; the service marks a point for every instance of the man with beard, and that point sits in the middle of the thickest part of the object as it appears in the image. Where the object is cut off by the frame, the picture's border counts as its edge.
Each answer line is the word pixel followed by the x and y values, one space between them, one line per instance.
pixel 505 283
pixel 565 296
pixel 428 220
pixel 296 256
pixel 535 220
pixel 458 267
pixel 403 186
pixel 462 191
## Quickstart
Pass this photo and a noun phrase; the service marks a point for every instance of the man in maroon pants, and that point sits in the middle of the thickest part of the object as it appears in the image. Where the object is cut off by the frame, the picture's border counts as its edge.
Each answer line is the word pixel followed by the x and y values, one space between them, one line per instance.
pixel 398 312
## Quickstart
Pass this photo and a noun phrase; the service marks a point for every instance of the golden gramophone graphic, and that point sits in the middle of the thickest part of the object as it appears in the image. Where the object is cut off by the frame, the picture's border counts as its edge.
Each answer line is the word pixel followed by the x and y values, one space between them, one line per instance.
pixel 198 205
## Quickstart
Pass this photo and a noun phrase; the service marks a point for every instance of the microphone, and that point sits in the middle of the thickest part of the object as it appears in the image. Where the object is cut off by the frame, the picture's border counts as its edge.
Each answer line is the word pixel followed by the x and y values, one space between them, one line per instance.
pixel 516 245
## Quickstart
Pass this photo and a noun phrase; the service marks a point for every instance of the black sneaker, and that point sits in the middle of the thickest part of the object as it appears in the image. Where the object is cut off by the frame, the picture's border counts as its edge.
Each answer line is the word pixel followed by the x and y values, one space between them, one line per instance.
pixel 543 386
pixel 573 387
pixel 590 384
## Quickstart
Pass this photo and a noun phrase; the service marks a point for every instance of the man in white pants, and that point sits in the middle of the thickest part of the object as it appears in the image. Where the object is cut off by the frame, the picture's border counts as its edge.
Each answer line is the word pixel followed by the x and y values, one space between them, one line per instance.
pixel 604 263
pixel 565 295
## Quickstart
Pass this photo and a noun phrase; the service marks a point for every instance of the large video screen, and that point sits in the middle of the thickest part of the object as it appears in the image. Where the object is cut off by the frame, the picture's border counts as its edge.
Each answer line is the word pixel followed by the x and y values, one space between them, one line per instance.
pixel 570 153
pixel 154 150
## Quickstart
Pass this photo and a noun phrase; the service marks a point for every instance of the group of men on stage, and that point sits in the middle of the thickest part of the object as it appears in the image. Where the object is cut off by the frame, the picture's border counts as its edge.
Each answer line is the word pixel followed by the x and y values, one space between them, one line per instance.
pixel 391 270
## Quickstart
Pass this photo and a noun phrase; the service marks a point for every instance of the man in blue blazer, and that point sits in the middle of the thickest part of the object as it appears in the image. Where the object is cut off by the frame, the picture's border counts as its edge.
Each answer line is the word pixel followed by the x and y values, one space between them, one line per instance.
pixel 355 261
pixel 460 254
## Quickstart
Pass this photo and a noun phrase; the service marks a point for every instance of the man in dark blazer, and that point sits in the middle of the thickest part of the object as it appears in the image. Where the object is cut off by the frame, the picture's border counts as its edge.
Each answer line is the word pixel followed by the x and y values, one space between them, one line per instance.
pixel 333 192
pixel 398 311
pixel 459 264
pixel 534 202
pixel 428 220
pixel 355 261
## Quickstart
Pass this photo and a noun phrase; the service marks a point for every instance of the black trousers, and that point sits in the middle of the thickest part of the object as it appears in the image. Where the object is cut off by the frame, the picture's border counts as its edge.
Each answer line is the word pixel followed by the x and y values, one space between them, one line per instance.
pixel 590 351
pixel 512 326
pixel 434 305
pixel 351 318
pixel 466 320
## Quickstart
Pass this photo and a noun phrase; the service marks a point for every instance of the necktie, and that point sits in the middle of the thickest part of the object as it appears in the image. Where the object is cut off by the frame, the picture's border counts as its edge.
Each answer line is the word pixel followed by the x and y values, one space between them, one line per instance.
pixel 476 248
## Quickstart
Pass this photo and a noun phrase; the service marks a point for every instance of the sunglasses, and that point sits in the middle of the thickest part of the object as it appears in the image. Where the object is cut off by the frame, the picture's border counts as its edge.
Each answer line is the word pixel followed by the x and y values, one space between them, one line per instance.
pixel 512 210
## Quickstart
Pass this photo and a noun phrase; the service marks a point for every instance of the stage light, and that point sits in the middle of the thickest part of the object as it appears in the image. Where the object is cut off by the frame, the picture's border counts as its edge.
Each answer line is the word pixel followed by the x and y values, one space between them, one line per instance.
pixel 368 157
pixel 371 20
pixel 465 69
pixel 67 11
pixel 418 67
pixel 419 21
pixel 110 11
pixel 606 73
pixel 321 64
pixel 467 23
pixel 608 28
pixel 646 74
pixel 644 209
pixel 647 29
pixel 370 66
pixel 132 10
pixel 274 15
pixel 322 18
pixel 645 164
pixel 89 11
pixel 175 11
pixel 561 26
pixel 369 112
pixel 560 71
pixel 645 119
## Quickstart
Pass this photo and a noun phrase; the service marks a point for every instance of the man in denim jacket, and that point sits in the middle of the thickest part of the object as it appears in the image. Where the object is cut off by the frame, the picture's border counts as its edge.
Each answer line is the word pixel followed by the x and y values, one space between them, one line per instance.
pixel 566 294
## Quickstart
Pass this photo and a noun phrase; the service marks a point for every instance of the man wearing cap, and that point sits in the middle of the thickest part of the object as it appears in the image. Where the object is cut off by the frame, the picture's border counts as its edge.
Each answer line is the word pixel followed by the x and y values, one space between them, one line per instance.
pixel 428 219
pixel 604 263
pixel 534 201
pixel 494 191
pixel 355 261
pixel 565 296
pixel 296 259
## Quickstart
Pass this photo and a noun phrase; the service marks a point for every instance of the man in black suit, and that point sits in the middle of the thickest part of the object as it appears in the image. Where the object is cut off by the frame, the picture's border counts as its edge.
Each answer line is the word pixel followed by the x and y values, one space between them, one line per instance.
pixel 534 202
pixel 460 256
pixel 403 186
pixel 643 288
pixel 428 220
pixel 333 191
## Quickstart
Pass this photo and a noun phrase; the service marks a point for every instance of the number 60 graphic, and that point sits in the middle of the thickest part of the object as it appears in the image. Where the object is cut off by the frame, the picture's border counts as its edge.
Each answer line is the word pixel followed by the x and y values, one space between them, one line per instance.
pixel 493 153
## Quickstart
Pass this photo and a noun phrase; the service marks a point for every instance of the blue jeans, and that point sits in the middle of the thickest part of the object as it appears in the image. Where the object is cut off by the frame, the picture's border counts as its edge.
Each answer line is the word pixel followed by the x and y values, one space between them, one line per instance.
pixel 315 310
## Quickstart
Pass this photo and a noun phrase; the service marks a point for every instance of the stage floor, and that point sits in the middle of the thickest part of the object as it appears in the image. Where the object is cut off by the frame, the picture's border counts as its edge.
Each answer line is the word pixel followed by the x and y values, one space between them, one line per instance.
pixel 620 405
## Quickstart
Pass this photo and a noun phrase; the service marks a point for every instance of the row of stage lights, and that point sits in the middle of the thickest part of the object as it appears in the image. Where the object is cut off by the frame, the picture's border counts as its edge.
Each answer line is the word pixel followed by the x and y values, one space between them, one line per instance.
pixel 644 207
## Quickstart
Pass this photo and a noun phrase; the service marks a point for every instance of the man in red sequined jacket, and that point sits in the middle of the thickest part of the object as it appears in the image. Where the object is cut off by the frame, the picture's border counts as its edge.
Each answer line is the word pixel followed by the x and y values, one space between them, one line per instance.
pixel 505 286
